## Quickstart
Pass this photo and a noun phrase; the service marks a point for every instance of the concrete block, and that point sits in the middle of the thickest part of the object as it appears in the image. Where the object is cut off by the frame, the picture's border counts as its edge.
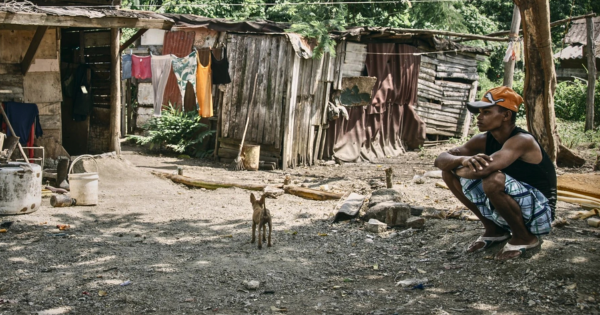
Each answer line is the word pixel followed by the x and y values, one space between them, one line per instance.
pixel 375 226
pixel 143 115
pixel 397 214
pixel 145 94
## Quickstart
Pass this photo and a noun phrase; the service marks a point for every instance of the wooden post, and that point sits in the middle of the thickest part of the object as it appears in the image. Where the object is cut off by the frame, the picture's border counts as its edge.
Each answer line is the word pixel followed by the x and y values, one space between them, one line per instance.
pixel 115 91
pixel 130 121
pixel 509 67
pixel 81 46
pixel 467 121
pixel 389 177
pixel 591 65
pixel 33 47
pixel 123 108
pixel 10 128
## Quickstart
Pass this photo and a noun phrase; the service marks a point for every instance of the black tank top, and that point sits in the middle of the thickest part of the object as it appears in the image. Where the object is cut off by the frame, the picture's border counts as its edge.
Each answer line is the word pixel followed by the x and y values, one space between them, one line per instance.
pixel 220 69
pixel 541 176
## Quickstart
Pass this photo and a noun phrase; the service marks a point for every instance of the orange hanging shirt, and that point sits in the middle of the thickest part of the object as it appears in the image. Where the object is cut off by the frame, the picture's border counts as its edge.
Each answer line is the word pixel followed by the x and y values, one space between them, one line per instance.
pixel 204 89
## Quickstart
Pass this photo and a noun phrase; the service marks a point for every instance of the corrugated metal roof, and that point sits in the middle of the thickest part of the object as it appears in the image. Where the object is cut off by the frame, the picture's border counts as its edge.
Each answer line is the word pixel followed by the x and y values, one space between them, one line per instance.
pixel 570 52
pixel 575 51
pixel 577 33
pixel 12 11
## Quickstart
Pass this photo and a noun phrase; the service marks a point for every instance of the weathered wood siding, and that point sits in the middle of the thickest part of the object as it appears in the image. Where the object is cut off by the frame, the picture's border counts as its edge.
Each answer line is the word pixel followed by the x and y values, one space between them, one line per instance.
pixel 269 57
pixel 313 90
pixel 446 83
pixel 286 116
pixel 41 85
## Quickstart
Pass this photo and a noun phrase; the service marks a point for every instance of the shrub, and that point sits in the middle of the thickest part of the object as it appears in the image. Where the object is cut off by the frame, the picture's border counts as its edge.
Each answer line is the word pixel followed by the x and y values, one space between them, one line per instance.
pixel 572 135
pixel 177 130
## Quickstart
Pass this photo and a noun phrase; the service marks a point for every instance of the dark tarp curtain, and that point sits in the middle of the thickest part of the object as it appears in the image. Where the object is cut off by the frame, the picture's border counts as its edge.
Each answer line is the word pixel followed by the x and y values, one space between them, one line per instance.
pixel 375 131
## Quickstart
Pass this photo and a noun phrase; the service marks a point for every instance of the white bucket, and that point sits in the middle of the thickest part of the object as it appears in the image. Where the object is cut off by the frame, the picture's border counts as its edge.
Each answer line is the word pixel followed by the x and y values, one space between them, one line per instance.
pixel 84 186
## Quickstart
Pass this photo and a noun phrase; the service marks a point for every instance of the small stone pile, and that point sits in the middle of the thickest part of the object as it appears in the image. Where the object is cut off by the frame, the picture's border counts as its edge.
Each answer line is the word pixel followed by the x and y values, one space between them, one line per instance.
pixel 387 210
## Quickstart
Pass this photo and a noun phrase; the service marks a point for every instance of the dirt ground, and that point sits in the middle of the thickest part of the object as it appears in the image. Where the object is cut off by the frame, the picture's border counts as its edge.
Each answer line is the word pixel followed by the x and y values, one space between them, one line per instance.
pixel 188 251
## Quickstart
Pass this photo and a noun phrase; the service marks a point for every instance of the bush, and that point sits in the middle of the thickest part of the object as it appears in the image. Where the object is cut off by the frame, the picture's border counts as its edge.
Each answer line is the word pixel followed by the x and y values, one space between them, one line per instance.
pixel 570 100
pixel 179 131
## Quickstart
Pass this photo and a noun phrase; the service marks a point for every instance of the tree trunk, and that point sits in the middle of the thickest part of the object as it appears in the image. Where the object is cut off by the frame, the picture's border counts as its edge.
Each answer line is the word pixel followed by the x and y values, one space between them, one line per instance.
pixel 540 77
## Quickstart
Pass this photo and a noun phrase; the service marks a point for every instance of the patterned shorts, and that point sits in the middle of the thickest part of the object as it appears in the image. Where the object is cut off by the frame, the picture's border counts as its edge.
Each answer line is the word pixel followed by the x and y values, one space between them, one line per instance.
pixel 535 207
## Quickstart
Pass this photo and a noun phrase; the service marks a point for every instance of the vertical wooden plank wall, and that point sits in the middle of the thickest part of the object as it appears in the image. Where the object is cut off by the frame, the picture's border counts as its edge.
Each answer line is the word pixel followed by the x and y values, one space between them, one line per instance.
pixel 286 116
pixel 41 84
pixel 266 57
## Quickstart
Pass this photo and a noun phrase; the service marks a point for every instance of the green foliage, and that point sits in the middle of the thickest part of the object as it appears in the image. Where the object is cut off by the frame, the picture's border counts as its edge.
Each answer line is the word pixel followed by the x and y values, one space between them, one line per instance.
pixel 570 100
pixel 177 130
pixel 572 134
pixel 316 21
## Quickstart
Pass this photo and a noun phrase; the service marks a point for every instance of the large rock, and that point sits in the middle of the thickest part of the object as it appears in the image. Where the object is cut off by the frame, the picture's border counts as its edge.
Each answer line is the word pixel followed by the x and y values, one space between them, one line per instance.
pixel 379 211
pixel 375 226
pixel 384 192
pixel 416 210
pixel 374 200
pixel 397 214
pixel 383 195
pixel 415 222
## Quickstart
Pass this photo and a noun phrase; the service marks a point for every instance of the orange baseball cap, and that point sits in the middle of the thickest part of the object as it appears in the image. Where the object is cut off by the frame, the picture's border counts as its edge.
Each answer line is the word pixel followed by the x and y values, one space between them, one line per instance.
pixel 501 96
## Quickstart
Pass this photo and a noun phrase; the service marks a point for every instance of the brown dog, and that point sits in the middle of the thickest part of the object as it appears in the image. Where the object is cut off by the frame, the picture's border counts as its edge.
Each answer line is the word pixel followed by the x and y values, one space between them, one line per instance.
pixel 260 217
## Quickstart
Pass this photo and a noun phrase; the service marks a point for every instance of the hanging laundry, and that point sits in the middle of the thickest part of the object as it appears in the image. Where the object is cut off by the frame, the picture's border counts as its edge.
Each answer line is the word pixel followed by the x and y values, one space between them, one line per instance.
pixel 185 70
pixel 220 69
pixel 126 66
pixel 161 68
pixel 517 50
pixel 204 89
pixel 25 120
pixel 140 67
pixel 513 51
pixel 82 93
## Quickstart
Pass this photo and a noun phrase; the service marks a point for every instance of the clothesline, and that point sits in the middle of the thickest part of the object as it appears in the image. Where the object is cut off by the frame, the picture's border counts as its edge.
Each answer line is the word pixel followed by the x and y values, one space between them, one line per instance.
pixel 274 3
pixel 414 54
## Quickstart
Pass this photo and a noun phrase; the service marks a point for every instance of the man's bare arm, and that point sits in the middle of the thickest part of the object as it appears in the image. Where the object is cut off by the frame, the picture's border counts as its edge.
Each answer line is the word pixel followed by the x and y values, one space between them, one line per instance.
pixel 512 150
pixel 453 158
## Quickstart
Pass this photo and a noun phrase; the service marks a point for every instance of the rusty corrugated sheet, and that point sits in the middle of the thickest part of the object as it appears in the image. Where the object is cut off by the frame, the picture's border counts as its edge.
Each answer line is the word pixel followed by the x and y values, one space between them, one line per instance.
pixel 178 44
pixel 577 33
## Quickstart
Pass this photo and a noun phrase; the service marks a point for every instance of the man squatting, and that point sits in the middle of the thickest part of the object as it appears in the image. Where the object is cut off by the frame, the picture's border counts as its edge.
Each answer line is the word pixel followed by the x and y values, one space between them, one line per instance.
pixel 504 176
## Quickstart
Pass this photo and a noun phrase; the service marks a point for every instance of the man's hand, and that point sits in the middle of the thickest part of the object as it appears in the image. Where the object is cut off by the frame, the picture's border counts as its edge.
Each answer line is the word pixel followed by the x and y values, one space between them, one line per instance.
pixel 476 162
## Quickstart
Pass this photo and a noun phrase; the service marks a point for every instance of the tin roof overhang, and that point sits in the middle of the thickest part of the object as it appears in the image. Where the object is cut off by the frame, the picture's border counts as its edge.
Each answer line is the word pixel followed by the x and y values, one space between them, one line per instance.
pixel 82 17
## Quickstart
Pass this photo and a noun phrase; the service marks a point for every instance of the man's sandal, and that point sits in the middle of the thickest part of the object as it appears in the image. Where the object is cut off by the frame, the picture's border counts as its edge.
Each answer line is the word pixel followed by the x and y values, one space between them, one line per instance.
pixel 488 241
pixel 515 248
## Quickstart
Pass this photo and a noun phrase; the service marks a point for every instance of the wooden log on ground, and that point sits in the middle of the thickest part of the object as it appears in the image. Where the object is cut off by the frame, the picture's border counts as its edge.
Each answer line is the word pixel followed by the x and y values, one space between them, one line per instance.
pixel 313 194
pixel 210 184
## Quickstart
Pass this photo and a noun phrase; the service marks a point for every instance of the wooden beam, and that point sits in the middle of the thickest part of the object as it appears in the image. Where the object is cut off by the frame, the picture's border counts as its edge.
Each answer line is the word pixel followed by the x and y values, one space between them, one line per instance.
pixel 509 67
pixel 133 38
pixel 446 33
pixel 33 47
pixel 40 19
pixel 591 65
pixel 555 23
pixel 115 91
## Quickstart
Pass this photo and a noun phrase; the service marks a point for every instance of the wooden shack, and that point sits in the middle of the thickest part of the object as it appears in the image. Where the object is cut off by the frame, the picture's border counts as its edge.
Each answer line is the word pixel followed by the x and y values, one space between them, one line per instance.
pixel 573 58
pixel 40 47
pixel 288 116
